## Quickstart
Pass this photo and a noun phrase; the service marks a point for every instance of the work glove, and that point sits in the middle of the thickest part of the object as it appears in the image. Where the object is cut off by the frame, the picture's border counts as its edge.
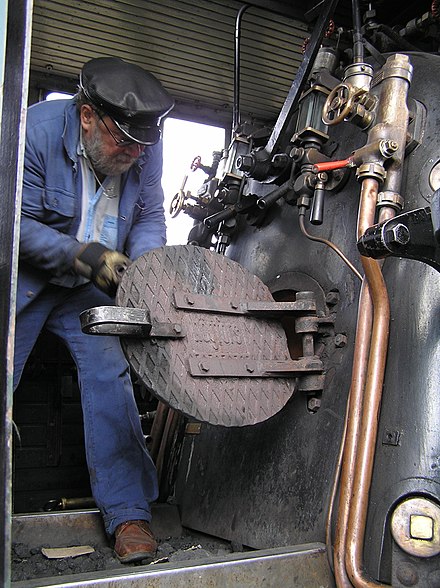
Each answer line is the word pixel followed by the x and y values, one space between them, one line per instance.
pixel 104 267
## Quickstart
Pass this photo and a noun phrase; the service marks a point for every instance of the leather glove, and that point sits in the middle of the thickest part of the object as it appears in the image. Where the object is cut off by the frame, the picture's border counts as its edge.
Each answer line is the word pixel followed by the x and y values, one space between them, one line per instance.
pixel 104 267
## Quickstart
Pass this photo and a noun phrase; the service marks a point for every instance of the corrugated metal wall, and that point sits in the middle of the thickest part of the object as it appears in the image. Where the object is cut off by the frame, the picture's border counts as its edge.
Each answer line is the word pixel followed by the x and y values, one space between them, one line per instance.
pixel 187 44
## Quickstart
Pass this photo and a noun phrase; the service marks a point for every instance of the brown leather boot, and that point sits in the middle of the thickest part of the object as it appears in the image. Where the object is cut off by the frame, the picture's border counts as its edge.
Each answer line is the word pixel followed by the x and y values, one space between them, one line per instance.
pixel 134 541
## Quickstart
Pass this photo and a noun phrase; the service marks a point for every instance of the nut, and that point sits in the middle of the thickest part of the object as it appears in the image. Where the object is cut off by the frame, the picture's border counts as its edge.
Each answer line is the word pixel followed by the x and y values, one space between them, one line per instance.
pixel 313 404
pixel 244 163
pixel 340 340
pixel 332 298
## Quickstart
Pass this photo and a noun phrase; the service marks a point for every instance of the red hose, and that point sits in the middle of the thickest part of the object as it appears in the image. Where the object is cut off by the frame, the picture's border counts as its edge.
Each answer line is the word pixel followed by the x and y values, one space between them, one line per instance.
pixel 330 165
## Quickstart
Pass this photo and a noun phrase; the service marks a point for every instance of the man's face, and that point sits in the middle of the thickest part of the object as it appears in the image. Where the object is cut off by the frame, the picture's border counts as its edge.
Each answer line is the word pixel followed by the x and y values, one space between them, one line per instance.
pixel 106 156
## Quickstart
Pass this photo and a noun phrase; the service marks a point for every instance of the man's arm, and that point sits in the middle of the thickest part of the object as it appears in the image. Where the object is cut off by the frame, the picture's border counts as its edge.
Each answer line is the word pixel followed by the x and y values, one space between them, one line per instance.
pixel 46 214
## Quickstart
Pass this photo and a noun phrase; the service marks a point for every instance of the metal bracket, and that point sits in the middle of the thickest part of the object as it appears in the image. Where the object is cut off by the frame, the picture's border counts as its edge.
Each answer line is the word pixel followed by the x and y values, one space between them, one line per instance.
pixel 263 309
pixel 132 322
pixel 410 235
pixel 209 367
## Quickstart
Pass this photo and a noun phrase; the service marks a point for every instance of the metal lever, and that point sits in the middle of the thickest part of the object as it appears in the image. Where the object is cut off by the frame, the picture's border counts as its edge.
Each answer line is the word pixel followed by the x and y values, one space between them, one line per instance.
pixel 271 198
pixel 215 219
pixel 317 212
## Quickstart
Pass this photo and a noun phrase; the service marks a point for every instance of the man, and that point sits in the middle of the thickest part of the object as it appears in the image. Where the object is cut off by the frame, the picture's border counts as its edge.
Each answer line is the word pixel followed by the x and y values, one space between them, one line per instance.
pixel 92 201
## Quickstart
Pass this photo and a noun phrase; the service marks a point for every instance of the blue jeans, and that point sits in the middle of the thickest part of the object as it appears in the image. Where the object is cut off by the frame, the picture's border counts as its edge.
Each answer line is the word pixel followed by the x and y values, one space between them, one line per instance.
pixel 122 474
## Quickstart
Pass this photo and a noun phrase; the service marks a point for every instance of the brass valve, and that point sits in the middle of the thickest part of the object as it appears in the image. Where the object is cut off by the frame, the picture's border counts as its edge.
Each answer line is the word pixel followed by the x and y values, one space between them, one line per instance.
pixel 345 102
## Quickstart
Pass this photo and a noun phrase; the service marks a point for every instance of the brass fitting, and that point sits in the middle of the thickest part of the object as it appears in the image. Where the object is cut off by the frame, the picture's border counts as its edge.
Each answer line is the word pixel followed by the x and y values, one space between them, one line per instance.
pixel 374 171
pixel 415 526
pixel 389 198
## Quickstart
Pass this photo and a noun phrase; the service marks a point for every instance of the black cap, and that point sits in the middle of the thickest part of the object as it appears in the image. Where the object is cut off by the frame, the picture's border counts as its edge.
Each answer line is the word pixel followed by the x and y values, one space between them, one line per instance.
pixel 133 98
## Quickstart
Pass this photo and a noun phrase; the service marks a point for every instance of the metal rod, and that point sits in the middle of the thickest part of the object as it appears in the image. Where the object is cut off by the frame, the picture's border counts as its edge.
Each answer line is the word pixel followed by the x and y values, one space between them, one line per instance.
pixel 157 428
pixel 15 65
pixel 358 46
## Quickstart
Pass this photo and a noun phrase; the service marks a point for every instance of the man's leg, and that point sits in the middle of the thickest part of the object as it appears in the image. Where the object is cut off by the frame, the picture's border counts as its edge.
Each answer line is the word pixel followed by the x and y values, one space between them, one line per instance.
pixel 28 326
pixel 122 473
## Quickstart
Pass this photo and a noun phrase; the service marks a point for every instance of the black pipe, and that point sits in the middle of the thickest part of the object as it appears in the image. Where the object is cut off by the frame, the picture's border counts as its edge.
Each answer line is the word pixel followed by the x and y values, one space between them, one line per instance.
pixel 236 107
pixel 358 46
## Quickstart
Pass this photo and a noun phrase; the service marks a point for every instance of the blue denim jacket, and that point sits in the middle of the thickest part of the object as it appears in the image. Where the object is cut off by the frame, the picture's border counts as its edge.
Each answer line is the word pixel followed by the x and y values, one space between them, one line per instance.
pixel 51 207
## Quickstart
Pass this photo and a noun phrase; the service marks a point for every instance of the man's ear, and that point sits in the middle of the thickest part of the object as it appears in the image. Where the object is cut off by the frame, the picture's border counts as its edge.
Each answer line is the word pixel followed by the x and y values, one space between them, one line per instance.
pixel 86 116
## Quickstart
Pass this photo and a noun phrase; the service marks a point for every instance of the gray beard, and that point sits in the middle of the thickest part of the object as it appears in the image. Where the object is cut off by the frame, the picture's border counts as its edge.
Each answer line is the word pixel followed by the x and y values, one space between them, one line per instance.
pixel 104 164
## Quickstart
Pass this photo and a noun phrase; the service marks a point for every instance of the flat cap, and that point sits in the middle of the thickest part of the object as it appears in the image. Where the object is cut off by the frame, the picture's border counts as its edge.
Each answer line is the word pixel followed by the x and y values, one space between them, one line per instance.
pixel 134 99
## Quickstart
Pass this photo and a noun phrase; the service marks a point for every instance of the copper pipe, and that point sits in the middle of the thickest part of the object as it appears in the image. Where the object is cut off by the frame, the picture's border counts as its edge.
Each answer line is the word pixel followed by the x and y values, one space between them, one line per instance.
pixel 326 242
pixel 354 410
pixel 354 413
pixel 372 399
pixel 385 213
pixel 372 333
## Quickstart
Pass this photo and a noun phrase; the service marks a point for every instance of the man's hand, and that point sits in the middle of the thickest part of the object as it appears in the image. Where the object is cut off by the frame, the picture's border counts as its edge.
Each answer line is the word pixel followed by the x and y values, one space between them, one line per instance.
pixel 104 267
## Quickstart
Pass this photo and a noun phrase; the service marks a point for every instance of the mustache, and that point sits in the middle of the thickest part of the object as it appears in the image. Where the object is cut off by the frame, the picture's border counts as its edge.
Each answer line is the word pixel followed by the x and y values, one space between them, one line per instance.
pixel 103 163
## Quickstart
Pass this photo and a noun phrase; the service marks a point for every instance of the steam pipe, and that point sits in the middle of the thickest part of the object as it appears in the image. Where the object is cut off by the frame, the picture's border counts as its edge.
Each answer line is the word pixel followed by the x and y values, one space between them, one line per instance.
pixel 354 414
pixel 373 327
pixel 353 422
pixel 372 398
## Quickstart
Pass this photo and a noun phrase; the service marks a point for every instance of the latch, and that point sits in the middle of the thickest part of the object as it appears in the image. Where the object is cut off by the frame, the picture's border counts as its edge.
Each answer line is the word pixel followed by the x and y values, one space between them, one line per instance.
pixel 132 322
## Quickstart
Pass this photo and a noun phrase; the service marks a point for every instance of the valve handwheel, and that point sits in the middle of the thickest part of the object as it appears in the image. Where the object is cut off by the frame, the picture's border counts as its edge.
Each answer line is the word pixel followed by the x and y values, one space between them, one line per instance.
pixel 177 203
pixel 339 104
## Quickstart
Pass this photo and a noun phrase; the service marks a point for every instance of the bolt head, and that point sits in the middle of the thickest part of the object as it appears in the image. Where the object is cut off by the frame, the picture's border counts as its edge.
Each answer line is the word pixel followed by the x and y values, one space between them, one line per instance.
pixel 399 234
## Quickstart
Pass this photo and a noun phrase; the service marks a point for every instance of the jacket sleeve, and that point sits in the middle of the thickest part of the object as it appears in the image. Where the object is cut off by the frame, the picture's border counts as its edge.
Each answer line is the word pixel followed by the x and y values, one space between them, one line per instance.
pixel 148 230
pixel 47 212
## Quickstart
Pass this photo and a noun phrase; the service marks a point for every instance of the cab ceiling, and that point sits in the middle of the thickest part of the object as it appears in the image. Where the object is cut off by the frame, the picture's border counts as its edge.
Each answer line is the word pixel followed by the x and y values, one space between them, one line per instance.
pixel 188 45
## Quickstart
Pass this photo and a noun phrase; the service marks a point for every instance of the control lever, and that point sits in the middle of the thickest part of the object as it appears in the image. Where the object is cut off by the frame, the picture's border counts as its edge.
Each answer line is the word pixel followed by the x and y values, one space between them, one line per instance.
pixel 271 198
pixel 215 219
pixel 317 211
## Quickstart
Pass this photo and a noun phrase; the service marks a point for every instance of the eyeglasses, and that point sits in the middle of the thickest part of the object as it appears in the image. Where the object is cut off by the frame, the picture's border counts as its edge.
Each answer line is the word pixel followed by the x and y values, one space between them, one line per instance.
pixel 119 142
